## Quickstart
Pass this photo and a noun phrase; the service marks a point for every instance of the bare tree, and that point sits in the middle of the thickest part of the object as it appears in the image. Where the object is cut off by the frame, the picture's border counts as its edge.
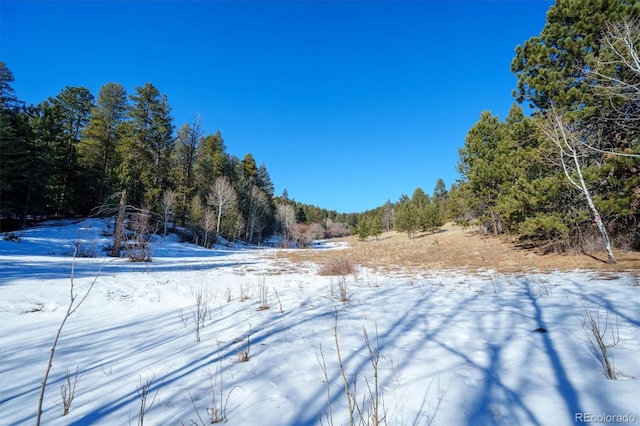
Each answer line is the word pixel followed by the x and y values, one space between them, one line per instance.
pixel 74 303
pixel 304 234
pixel 573 148
pixel 168 203
pixel 257 205
pixel 196 213
pixel 286 216
pixel 223 197
pixel 119 227
pixel 208 222
pixel 621 40
pixel 138 249
pixel 389 216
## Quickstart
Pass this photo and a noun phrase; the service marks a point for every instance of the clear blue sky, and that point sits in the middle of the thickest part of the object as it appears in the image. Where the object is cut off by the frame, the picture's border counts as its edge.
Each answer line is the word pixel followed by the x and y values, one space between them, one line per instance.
pixel 348 104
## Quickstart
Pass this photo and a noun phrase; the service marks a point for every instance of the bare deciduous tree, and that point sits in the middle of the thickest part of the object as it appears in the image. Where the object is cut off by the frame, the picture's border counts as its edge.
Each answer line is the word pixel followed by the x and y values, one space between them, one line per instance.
pixel 286 216
pixel 196 215
pixel 208 223
pixel 223 197
pixel 622 41
pixel 168 203
pixel 304 234
pixel 573 149
pixel 257 204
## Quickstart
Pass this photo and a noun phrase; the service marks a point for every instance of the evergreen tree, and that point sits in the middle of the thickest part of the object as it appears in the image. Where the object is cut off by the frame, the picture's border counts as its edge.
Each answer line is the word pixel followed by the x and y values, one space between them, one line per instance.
pixel 249 169
pixel 147 149
pixel 72 107
pixel 571 67
pixel 440 198
pixel 33 163
pixel 211 162
pixel 482 164
pixel 186 154
pixel 407 216
pixel 263 180
pixel 100 141
pixel 11 142
pixel 551 67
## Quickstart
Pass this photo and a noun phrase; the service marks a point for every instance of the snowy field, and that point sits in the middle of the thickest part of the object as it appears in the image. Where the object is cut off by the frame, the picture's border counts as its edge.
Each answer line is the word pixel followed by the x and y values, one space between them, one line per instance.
pixel 453 348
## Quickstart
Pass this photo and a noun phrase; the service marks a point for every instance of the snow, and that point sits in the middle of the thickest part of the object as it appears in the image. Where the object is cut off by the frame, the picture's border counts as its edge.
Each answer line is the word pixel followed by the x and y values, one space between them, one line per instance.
pixel 455 348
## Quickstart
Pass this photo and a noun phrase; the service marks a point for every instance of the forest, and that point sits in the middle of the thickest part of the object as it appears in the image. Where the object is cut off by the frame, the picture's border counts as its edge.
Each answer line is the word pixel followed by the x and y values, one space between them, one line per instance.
pixel 560 172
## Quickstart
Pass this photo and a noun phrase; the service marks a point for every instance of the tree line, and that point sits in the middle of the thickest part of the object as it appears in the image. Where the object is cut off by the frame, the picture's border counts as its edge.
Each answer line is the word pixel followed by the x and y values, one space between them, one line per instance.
pixel 74 155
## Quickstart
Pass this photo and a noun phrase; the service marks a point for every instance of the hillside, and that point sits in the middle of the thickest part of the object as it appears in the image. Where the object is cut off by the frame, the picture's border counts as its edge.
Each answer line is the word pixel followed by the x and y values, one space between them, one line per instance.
pixel 454 247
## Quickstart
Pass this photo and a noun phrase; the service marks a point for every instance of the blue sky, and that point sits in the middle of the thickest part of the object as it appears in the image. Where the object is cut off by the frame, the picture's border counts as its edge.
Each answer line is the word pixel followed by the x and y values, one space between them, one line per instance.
pixel 348 104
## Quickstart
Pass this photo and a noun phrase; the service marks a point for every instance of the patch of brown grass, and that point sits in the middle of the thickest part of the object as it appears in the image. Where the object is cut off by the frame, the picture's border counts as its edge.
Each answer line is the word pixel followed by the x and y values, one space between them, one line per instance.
pixel 453 247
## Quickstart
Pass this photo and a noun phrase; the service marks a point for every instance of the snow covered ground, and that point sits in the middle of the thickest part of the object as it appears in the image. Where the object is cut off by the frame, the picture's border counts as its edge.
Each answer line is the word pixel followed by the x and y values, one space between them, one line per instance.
pixel 454 348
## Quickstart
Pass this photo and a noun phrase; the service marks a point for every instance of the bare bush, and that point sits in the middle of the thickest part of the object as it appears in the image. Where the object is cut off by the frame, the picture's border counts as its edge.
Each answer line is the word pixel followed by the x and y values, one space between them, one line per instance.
pixel 341 266
pixel 138 249
pixel 596 332
pixel 244 292
pixel 245 354
pixel 143 394
pixel 335 229
pixel 264 296
pixel 217 413
pixel 342 290
pixel 68 391
pixel 202 299
pixel 303 235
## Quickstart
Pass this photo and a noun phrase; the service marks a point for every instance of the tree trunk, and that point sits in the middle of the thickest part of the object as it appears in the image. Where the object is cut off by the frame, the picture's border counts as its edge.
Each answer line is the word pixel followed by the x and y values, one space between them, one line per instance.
pixel 218 223
pixel 119 224
pixel 596 214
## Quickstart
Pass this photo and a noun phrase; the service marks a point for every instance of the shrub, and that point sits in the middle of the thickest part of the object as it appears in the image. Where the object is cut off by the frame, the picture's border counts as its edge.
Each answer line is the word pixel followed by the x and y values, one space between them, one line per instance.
pixel 336 267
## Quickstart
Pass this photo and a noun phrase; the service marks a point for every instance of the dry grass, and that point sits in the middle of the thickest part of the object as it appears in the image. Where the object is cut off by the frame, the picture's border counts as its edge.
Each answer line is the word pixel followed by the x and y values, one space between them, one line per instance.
pixel 453 247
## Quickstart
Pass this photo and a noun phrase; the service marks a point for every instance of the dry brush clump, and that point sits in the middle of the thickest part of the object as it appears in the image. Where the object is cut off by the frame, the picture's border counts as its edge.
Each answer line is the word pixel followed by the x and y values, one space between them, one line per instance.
pixel 339 268
pixel 217 412
pixel 336 267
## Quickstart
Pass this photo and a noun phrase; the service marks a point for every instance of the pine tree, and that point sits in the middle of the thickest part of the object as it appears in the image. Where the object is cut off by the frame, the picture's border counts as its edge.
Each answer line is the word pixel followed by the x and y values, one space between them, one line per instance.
pixel 572 67
pixel 550 67
pixel 72 107
pixel 211 162
pixel 147 149
pixel 188 141
pixel 440 198
pixel 482 164
pixel 407 218
pixel 11 142
pixel 100 141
